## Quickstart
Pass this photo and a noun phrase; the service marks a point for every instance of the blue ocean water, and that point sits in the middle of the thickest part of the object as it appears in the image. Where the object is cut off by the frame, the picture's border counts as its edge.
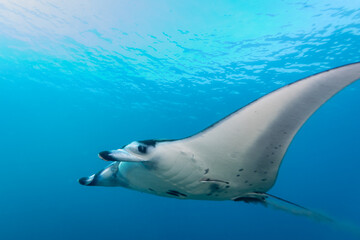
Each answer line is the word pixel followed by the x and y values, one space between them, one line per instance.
pixel 79 77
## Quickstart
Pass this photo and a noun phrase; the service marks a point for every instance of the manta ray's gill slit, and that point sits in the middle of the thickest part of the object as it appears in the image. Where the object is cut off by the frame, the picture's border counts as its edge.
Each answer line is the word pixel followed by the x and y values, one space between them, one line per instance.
pixel 185 178
pixel 174 171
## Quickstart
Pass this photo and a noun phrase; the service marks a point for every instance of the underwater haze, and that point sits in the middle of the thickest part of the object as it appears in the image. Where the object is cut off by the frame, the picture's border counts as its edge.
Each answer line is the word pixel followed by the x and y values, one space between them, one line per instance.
pixel 80 77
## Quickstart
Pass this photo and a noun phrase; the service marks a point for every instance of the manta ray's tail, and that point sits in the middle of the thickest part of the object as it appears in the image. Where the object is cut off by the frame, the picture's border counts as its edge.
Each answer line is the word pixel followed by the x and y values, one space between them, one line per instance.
pixel 272 201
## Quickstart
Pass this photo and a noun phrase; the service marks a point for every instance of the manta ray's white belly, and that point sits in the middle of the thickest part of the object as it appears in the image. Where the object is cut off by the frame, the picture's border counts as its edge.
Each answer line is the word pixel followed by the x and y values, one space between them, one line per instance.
pixel 182 174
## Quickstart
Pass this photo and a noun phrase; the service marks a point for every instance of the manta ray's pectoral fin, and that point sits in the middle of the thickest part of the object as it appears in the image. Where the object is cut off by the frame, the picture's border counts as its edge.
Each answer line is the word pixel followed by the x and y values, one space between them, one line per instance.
pixel 251 142
pixel 272 201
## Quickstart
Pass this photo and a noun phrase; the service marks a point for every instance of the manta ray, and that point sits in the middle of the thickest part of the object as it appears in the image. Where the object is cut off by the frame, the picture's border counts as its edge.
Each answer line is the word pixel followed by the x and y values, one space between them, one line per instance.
pixel 236 158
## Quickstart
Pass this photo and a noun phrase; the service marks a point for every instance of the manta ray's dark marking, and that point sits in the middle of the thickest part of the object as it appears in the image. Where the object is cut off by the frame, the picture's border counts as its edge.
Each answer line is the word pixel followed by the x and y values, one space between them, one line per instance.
pixel 176 193
pixel 153 142
pixel 149 142
pixel 251 200
pixel 214 189
pixel 214 180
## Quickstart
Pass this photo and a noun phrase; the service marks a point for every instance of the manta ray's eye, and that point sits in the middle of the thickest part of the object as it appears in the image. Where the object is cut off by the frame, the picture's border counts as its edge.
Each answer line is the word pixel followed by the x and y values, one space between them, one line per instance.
pixel 142 148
